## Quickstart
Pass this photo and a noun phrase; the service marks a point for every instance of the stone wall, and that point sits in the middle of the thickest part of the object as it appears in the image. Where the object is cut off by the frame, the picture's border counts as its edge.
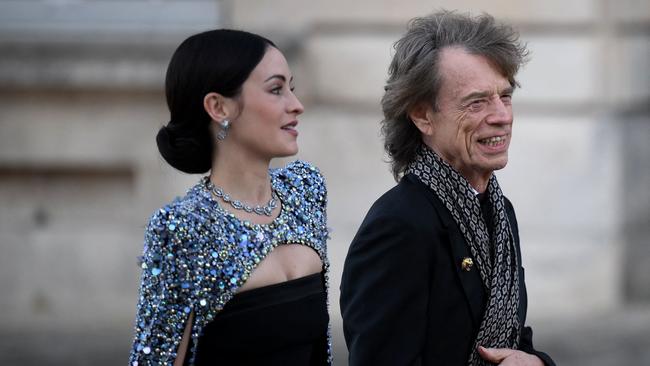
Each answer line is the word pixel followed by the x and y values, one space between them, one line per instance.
pixel 81 99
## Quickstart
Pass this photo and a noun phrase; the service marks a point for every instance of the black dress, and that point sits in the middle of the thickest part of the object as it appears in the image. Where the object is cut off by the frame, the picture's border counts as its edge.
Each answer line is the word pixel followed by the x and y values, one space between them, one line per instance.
pixel 281 324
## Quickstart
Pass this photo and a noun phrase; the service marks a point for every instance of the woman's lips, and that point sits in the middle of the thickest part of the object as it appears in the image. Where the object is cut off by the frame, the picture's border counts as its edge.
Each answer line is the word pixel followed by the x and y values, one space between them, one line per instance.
pixel 291 128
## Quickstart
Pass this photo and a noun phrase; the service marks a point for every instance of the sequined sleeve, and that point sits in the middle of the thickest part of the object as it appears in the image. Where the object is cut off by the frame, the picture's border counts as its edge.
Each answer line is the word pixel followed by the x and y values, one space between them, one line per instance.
pixel 164 303
pixel 308 179
pixel 321 187
pixel 318 192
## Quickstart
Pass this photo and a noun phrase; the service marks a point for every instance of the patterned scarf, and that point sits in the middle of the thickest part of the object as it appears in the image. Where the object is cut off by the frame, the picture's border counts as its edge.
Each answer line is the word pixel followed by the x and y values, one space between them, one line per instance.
pixel 495 256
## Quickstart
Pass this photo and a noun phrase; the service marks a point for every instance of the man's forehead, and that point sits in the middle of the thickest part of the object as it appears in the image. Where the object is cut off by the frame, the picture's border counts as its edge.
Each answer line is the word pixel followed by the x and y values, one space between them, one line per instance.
pixel 465 73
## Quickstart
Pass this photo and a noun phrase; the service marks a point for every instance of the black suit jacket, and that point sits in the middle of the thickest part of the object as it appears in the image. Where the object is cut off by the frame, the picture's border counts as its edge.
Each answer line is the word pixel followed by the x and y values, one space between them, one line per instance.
pixel 405 299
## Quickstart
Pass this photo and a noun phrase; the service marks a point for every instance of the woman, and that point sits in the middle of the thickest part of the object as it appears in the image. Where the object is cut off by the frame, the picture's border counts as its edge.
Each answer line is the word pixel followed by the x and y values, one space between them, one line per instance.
pixel 235 272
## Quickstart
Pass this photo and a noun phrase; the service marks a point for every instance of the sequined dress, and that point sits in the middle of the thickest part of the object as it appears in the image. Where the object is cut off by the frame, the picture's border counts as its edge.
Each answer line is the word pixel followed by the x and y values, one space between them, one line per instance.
pixel 196 255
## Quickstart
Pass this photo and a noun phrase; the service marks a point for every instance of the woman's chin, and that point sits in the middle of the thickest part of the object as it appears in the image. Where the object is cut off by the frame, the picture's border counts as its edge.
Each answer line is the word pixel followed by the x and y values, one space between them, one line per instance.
pixel 286 152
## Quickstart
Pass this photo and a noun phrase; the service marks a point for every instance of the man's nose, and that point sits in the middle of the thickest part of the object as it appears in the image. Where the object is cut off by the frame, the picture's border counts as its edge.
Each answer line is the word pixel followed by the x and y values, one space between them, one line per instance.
pixel 499 111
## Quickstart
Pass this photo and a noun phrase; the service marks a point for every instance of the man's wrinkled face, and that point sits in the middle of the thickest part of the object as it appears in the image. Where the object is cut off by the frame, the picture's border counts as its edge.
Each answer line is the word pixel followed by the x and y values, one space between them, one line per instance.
pixel 473 121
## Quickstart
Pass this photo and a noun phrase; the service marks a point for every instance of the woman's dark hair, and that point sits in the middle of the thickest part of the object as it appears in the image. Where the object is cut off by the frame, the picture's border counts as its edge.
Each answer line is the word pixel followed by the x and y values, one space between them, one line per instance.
pixel 213 61
pixel 414 73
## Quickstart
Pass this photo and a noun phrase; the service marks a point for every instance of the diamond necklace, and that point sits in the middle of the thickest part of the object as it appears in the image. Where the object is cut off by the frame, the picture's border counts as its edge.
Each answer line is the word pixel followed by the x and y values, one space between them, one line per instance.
pixel 266 210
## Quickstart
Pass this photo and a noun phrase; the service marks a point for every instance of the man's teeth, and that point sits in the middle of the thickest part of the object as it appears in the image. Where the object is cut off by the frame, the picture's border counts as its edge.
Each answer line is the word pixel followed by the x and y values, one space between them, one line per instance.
pixel 492 141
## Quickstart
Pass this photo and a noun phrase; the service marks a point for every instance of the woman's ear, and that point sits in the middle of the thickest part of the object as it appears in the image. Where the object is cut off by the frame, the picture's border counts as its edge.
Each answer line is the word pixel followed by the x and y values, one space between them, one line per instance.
pixel 422 117
pixel 218 107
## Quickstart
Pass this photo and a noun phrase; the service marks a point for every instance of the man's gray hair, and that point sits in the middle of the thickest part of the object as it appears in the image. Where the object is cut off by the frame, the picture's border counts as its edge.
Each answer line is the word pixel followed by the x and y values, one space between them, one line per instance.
pixel 414 75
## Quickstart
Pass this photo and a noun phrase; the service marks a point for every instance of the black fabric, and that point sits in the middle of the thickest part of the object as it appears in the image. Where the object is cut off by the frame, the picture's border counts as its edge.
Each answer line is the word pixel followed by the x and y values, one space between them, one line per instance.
pixel 405 299
pixel 486 212
pixel 283 324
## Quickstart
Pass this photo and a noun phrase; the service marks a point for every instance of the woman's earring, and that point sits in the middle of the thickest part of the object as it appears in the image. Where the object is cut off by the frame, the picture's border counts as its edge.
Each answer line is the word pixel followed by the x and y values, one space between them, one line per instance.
pixel 223 132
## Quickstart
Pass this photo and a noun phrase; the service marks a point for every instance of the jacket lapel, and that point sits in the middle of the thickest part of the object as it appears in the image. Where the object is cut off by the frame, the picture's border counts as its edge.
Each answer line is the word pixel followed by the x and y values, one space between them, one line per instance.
pixel 470 280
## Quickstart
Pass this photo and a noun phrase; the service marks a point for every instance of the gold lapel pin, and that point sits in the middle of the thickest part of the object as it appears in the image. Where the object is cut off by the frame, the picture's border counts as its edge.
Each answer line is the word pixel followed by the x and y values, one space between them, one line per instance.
pixel 467 264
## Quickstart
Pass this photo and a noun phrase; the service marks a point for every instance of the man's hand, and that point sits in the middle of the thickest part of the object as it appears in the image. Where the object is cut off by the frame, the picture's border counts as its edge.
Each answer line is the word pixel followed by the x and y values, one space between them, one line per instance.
pixel 509 357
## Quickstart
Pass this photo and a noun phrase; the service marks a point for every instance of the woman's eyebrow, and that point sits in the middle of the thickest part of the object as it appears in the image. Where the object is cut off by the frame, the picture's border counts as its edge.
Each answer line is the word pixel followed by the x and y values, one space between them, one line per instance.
pixel 278 76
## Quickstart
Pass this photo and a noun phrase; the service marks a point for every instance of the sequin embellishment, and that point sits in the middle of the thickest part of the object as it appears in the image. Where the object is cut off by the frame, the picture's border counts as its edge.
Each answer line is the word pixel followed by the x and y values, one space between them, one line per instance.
pixel 197 254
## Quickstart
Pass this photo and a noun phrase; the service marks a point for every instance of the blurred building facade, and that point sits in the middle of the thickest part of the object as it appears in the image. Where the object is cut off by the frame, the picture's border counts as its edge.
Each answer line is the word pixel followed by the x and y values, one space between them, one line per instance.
pixel 81 98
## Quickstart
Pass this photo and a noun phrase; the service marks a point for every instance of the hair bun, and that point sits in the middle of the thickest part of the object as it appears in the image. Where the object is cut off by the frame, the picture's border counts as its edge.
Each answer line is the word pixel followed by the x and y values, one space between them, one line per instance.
pixel 190 154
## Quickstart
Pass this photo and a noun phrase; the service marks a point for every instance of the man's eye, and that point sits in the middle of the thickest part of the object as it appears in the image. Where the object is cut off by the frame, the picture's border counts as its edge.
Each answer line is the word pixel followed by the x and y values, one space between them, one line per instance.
pixel 506 99
pixel 476 105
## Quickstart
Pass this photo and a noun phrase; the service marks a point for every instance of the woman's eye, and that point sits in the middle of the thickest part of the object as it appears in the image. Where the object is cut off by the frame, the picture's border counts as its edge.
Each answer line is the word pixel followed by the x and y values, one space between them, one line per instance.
pixel 277 90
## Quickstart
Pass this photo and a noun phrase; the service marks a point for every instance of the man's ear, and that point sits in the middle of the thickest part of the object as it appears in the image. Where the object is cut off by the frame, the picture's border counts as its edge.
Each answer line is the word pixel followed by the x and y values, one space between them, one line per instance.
pixel 422 117
pixel 219 107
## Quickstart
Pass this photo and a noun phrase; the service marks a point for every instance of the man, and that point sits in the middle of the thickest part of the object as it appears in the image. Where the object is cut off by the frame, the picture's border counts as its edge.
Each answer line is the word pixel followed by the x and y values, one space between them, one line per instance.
pixel 434 276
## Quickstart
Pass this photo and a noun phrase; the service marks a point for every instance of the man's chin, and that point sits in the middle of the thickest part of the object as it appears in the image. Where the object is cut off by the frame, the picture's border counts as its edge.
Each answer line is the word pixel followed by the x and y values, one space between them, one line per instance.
pixel 500 166
pixel 495 165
